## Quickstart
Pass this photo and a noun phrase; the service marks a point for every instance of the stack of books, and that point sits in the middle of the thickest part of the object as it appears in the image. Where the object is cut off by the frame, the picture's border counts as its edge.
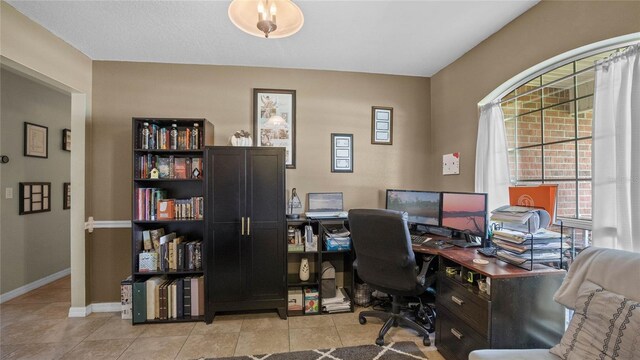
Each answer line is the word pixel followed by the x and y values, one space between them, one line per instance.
pixel 523 239
pixel 162 298
pixel 340 303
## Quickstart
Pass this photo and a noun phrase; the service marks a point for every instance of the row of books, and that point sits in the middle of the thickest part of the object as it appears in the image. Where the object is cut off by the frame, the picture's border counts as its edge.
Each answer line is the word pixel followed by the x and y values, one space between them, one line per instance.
pixel 152 204
pixel 168 167
pixel 153 137
pixel 162 298
pixel 170 254
pixel 170 209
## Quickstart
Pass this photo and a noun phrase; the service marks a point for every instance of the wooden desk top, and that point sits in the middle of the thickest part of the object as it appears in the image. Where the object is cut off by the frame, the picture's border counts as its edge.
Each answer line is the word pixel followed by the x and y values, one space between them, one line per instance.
pixel 495 268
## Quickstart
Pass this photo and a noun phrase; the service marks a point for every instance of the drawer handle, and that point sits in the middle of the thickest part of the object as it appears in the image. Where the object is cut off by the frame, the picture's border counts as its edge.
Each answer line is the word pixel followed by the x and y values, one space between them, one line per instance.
pixel 457 300
pixel 457 333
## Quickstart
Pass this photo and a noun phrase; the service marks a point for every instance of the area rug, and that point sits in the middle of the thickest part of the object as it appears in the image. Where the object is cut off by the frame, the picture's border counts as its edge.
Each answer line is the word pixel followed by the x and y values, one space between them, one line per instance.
pixel 405 350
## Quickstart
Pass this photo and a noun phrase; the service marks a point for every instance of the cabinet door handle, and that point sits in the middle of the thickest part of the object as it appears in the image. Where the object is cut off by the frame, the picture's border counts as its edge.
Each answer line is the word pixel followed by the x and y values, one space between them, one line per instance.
pixel 457 300
pixel 242 231
pixel 248 226
pixel 457 333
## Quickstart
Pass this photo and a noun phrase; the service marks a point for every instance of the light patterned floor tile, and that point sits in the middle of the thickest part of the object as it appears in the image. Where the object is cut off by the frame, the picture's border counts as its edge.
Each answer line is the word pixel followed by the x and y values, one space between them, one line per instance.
pixel 98 349
pixel 171 329
pixel 157 348
pixel 312 321
pixel 201 346
pixel 262 342
pixel 314 338
pixel 115 328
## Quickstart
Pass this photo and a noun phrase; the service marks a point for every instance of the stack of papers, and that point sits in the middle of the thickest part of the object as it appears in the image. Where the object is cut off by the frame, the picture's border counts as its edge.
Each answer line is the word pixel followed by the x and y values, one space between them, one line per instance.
pixel 521 218
pixel 340 303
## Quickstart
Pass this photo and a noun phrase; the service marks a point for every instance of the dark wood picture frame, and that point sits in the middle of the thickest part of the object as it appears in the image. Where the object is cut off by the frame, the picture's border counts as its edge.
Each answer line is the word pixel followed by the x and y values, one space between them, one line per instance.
pixel 66 139
pixel 31 146
pixel 380 127
pixel 35 197
pixel 66 196
pixel 288 113
pixel 341 153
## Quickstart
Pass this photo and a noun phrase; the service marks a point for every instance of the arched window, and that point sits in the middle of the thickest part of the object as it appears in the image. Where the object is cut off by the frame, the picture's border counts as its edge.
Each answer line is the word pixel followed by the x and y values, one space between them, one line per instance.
pixel 548 113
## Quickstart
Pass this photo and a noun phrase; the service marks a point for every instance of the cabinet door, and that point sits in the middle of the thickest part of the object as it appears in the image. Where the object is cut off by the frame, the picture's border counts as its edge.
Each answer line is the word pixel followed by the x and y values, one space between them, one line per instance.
pixel 226 196
pixel 266 250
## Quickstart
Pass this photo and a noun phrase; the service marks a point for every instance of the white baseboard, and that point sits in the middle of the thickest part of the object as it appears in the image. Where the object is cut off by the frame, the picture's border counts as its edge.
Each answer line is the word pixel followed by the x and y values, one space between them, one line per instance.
pixel 97 308
pixel 34 285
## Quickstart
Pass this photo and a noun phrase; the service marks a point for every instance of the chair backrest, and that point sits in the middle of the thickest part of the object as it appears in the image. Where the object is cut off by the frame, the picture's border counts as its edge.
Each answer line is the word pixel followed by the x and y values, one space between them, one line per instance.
pixel 617 271
pixel 382 244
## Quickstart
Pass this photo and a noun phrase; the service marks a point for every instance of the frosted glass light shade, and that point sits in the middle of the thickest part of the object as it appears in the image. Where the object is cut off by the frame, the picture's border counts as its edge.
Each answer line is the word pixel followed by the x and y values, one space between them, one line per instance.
pixel 244 15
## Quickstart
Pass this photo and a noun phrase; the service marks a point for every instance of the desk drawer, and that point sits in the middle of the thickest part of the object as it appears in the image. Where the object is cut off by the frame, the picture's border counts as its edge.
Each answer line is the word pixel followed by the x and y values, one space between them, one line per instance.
pixel 455 339
pixel 471 308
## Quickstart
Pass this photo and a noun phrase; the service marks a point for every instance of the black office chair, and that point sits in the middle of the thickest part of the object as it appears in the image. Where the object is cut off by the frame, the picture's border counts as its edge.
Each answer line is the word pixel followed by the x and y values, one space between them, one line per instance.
pixel 386 262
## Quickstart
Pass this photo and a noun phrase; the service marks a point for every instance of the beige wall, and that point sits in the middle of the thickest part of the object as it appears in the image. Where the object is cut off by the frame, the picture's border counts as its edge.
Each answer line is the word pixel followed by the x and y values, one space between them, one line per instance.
pixel 32 50
pixel 546 30
pixel 326 102
pixel 36 245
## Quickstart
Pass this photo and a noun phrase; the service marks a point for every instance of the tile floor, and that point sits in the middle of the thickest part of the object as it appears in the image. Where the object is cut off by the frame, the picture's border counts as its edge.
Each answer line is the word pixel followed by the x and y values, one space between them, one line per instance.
pixel 36 326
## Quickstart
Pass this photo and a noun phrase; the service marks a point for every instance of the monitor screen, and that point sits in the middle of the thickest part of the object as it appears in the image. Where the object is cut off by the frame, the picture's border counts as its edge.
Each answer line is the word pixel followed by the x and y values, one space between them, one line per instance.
pixel 423 207
pixel 325 201
pixel 465 212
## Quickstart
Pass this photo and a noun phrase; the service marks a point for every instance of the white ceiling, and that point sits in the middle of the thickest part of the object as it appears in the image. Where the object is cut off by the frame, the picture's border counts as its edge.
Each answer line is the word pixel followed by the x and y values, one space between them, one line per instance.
pixel 389 37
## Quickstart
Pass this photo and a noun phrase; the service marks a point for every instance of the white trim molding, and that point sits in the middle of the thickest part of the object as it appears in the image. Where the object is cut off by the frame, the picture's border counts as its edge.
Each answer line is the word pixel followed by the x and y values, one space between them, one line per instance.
pixel 34 285
pixel 106 224
pixel 95 308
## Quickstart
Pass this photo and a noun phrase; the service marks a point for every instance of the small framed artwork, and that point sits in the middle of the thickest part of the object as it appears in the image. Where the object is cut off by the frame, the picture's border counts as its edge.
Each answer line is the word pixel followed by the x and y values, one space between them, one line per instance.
pixel 36 140
pixel 381 125
pixel 35 197
pixel 66 139
pixel 274 121
pixel 342 153
pixel 66 196
pixel 451 164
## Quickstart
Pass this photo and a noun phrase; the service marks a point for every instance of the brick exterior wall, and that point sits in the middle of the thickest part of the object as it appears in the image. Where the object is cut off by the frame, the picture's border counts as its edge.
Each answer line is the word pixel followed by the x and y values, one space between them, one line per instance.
pixel 524 118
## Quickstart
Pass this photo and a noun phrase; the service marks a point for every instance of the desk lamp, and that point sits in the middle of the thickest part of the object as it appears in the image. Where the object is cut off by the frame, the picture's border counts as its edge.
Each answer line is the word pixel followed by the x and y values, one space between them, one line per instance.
pixel 294 203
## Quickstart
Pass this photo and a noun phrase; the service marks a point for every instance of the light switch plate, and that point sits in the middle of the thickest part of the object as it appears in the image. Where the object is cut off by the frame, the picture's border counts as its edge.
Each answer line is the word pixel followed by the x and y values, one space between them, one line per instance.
pixel 8 193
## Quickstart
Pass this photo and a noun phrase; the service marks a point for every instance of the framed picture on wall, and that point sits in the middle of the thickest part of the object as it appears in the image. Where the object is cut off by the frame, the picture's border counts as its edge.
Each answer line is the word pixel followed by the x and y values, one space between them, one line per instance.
pixel 36 140
pixel 66 139
pixel 66 196
pixel 342 153
pixel 34 197
pixel 274 121
pixel 381 125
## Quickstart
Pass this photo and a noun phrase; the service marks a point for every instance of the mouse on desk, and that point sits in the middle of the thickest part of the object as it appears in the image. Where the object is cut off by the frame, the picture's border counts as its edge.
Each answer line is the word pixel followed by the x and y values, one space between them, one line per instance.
pixel 440 242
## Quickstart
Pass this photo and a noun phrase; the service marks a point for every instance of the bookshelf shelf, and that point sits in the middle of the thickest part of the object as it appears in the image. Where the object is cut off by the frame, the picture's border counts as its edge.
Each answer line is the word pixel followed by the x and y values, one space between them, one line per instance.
pixel 168 151
pixel 166 221
pixel 182 272
pixel 173 243
pixel 167 180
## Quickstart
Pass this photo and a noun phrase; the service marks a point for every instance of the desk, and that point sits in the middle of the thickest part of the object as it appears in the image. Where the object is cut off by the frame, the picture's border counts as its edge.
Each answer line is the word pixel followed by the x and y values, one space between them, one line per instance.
pixel 519 313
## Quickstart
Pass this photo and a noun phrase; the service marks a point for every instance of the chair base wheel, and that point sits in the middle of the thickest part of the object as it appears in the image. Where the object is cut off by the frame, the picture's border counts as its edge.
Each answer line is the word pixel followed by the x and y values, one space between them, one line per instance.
pixel 380 341
pixel 426 341
pixel 362 320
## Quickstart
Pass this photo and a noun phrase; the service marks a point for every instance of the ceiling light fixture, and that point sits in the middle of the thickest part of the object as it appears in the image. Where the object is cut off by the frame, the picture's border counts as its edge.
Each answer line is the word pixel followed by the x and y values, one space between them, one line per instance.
pixel 258 17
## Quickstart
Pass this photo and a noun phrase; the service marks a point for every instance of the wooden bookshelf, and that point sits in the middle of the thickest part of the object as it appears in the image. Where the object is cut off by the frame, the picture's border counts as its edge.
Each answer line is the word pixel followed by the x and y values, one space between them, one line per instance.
pixel 175 184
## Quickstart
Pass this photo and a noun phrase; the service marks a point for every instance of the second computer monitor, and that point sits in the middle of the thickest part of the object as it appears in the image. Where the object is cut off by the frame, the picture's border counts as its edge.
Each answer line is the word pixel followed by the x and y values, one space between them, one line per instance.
pixel 423 207
pixel 465 212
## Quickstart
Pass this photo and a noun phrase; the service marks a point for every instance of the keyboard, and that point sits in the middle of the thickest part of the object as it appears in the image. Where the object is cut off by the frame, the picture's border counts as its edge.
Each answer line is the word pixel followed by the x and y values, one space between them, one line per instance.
pixel 419 239
pixel 488 251
pixel 326 214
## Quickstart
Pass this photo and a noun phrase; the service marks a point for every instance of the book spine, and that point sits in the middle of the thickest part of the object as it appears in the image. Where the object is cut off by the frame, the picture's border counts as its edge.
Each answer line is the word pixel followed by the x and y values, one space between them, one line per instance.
pixel 180 298
pixel 139 302
pixel 187 297
pixel 195 294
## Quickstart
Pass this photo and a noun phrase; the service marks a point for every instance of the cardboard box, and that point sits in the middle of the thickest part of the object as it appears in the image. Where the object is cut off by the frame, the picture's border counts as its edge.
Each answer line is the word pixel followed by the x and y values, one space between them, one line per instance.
pixel 311 297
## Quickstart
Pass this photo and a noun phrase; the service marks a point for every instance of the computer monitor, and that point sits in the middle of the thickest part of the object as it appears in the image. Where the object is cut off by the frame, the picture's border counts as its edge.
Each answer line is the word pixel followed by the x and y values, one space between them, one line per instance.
pixel 465 212
pixel 423 207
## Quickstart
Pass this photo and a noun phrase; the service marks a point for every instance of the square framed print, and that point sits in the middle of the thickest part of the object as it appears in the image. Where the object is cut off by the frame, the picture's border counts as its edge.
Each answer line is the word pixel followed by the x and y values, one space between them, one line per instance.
pixel 342 153
pixel 35 197
pixel 274 121
pixel 381 125
pixel 36 140
pixel 66 196
pixel 66 139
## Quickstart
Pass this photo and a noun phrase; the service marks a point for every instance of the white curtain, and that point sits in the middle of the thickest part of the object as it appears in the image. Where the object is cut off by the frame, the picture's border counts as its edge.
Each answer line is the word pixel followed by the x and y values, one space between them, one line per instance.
pixel 616 152
pixel 492 164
